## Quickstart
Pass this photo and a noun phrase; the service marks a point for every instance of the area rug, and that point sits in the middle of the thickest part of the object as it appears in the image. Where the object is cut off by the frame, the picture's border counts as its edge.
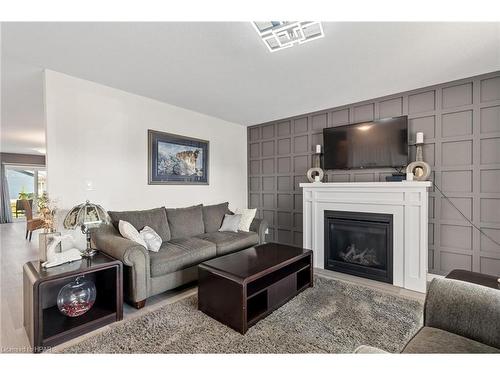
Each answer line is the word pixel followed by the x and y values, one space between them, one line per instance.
pixel 333 317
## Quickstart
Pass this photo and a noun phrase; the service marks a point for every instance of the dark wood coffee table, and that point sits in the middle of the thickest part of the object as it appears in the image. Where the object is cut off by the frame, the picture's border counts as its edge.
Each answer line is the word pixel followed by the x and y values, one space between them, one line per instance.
pixel 241 288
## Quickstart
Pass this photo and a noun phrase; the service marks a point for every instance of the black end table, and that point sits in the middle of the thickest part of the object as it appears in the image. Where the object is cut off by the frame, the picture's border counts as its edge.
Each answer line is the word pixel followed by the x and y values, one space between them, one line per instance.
pixel 475 278
pixel 45 325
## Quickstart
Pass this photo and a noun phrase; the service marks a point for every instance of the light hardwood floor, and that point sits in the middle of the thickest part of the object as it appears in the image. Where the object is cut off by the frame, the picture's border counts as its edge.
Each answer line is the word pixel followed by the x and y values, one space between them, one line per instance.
pixel 15 251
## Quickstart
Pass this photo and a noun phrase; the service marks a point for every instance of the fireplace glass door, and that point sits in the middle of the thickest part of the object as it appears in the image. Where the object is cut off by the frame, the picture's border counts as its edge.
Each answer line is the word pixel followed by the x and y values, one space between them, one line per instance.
pixel 359 243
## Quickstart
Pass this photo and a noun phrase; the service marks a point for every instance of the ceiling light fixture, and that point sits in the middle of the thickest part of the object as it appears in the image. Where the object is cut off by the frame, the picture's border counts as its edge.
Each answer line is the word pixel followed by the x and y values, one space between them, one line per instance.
pixel 278 35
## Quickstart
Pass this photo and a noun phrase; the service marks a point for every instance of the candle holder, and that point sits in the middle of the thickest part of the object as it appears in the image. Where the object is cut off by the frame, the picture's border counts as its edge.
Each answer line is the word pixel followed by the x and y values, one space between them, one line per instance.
pixel 419 168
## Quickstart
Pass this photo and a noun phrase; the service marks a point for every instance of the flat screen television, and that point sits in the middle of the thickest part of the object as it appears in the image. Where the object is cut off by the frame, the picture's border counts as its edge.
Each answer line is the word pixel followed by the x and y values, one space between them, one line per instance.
pixel 375 144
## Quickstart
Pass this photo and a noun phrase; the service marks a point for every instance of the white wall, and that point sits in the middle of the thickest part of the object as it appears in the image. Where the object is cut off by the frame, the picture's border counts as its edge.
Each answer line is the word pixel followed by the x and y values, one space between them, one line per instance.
pixel 99 134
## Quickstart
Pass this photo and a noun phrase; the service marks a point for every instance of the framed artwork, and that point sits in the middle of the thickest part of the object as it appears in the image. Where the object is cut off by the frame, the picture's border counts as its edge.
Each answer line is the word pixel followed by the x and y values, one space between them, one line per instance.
pixel 176 160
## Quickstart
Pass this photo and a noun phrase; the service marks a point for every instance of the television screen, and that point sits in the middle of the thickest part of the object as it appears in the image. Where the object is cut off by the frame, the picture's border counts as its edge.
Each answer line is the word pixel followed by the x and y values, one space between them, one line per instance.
pixel 374 144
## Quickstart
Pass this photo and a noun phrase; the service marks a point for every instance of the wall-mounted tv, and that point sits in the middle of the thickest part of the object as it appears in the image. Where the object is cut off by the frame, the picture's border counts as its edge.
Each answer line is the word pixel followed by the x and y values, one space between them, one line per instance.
pixel 374 144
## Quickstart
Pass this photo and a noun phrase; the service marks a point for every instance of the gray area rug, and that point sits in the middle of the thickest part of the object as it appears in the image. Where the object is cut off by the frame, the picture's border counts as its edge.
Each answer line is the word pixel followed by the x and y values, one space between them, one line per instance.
pixel 332 317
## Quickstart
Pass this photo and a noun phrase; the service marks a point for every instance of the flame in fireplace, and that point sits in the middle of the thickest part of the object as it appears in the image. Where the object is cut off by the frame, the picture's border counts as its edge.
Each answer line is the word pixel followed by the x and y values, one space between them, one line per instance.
pixel 366 257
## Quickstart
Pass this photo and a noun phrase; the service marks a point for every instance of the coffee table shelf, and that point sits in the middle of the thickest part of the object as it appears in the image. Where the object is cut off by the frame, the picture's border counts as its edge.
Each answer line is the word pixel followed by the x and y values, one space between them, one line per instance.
pixel 255 281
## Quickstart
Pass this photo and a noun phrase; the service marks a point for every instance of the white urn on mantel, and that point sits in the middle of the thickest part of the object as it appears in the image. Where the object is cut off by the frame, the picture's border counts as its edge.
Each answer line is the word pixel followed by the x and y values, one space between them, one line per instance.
pixel 406 201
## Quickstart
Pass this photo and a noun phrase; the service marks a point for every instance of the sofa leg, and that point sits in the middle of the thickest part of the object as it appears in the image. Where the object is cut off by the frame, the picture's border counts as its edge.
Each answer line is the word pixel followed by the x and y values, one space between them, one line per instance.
pixel 140 304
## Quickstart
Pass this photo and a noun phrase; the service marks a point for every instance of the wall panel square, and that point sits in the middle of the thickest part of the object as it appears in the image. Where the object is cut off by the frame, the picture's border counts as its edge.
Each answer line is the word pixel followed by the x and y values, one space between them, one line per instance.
pixel 422 102
pixel 268 131
pixel 456 236
pixel 456 153
pixel 285 201
pixel 267 166
pixel 285 183
pixel 319 121
pixel 254 167
pixel 268 148
pixel 285 236
pixel 450 213
pixel 487 244
pixel 431 203
pixel 364 112
pixel 490 119
pixel 431 234
pixel 456 124
pixel 254 183
pixel 268 200
pixel 340 117
pixel 391 108
pixel 284 128
pixel 490 208
pixel 284 219
pixel 284 165
pixel 490 180
pixel 300 164
pixel 316 139
pixel 268 183
pixel 300 125
pixel 254 134
pixel 456 181
pixel 254 150
pixel 335 177
pixel 254 200
pixel 490 151
pixel 490 89
pixel 301 144
pixel 284 146
pixel 456 96
pixel 297 220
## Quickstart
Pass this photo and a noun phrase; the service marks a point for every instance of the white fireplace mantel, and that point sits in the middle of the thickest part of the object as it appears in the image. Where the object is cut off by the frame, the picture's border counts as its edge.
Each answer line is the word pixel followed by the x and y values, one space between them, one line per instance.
pixel 406 201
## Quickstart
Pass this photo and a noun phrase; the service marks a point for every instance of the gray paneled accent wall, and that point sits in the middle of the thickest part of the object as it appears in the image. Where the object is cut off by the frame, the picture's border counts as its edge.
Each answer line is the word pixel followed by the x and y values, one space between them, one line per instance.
pixel 461 123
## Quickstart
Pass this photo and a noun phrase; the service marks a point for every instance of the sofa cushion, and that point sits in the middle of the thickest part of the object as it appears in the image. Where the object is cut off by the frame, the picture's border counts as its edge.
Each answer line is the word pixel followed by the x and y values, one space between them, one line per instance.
pixel 214 215
pixel 434 340
pixel 155 218
pixel 178 254
pixel 227 242
pixel 185 222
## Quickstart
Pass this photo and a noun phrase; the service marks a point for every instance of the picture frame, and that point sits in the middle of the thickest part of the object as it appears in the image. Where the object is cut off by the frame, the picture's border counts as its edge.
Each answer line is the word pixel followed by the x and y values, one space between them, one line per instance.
pixel 177 160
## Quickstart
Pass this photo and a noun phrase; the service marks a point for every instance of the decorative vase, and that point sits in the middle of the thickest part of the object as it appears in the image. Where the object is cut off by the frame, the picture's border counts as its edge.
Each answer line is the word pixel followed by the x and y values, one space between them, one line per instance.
pixel 44 239
pixel 77 297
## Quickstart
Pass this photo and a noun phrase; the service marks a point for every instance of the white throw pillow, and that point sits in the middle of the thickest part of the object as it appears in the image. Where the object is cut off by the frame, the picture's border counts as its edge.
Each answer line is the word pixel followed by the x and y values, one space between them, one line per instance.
pixel 230 223
pixel 152 239
pixel 128 231
pixel 247 216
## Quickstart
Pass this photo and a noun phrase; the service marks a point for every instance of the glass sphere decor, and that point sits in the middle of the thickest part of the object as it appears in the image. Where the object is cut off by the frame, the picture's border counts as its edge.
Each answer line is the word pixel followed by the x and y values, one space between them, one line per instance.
pixel 77 297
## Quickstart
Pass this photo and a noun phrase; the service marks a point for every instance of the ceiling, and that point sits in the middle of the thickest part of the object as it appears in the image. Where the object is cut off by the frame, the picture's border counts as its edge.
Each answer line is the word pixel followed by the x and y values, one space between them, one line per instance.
pixel 223 69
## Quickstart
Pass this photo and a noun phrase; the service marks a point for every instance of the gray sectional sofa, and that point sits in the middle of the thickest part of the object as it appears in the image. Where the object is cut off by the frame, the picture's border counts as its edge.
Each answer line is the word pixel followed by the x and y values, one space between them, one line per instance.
pixel 459 317
pixel 190 236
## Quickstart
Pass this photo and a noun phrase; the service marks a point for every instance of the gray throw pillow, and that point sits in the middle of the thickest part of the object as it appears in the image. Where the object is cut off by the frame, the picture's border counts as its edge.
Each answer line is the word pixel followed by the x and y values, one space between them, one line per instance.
pixel 155 218
pixel 185 222
pixel 230 223
pixel 213 216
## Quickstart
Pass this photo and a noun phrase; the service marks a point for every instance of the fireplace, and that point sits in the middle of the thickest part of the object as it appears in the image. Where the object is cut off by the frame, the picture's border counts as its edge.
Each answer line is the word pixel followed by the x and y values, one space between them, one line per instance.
pixel 359 243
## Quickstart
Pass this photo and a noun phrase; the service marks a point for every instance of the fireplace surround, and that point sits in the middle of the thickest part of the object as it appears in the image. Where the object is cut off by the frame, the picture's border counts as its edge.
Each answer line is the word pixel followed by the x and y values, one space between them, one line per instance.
pixel 406 201
pixel 359 243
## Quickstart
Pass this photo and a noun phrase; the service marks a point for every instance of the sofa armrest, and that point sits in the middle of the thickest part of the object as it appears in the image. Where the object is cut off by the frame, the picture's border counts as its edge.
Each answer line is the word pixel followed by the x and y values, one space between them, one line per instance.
pixel 260 227
pixel 109 241
pixel 463 308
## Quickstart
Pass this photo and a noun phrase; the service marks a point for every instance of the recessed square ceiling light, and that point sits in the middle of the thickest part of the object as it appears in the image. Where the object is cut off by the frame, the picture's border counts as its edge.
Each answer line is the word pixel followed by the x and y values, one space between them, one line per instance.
pixel 279 35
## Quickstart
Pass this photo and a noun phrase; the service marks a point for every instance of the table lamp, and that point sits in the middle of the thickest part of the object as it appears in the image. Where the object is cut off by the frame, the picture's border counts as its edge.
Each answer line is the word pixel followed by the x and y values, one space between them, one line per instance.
pixel 87 216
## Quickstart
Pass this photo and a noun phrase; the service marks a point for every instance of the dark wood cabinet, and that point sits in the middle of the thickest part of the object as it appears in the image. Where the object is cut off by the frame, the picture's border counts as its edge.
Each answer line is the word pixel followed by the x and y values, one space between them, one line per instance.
pixel 45 325
pixel 241 288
